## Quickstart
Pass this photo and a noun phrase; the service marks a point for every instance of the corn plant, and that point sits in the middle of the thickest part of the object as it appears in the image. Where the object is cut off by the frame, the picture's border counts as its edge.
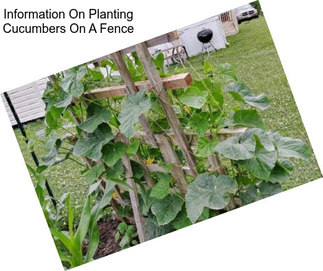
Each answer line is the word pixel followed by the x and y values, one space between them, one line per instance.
pixel 87 229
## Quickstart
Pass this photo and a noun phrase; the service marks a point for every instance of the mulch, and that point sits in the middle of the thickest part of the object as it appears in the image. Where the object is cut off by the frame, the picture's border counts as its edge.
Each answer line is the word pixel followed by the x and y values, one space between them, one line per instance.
pixel 107 243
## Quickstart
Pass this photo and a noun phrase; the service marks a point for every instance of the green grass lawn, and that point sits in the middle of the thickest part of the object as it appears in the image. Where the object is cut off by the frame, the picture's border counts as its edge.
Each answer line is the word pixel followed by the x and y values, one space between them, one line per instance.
pixel 254 56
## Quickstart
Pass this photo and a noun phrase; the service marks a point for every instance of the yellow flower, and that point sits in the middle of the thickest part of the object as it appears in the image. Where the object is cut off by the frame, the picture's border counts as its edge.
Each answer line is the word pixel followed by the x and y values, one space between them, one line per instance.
pixel 114 195
pixel 187 109
pixel 149 161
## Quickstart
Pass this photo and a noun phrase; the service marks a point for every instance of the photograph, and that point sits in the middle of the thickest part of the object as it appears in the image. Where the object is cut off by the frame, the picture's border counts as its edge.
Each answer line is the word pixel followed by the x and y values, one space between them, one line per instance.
pixel 161 135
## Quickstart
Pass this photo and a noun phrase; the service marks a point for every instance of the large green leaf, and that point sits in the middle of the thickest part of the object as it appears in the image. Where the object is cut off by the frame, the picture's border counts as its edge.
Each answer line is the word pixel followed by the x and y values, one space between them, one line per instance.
pixel 166 209
pixel 242 93
pixel 52 146
pixel 226 72
pixel 279 174
pixel 250 195
pixel 91 145
pixel 205 146
pixel 260 191
pixel 71 83
pixel 194 97
pixel 199 123
pixel 290 147
pixel 208 191
pixel 53 118
pixel 84 222
pixel 153 230
pixel 96 115
pixel 262 163
pixel 112 152
pixel 94 173
pixel 161 189
pixel 237 148
pixel 264 137
pixel 58 98
pixel 181 220
pixel 248 118
pixel 267 189
pixel 135 105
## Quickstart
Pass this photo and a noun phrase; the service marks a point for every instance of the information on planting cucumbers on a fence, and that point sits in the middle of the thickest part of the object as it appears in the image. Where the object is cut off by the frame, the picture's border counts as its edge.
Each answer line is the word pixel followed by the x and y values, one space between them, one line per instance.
pixel 17 21
pixel 160 136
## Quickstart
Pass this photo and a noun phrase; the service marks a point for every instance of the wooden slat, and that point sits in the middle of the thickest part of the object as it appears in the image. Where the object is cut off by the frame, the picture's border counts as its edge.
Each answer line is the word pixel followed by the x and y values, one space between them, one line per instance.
pixel 133 194
pixel 131 88
pixel 173 82
pixel 159 89
pixel 158 168
pixel 170 157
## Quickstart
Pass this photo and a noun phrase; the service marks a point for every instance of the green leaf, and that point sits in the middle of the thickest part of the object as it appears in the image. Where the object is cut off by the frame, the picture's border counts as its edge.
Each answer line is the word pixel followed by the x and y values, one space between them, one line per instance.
pixel 159 61
pixel 84 223
pixel 122 227
pixel 115 171
pixel 279 174
pixel 135 105
pixel 94 173
pixel 51 146
pixel 71 83
pixel 93 187
pixel 237 148
pixel 227 72
pixel 268 189
pixel 262 163
pixel 137 170
pixel 261 191
pixel 250 195
pixel 112 152
pixel 91 145
pixel 63 238
pixel 96 115
pixel 61 99
pixel 242 93
pixel 208 67
pixel 199 123
pixel 248 118
pixel 96 74
pixel 289 147
pixel 181 221
pixel 206 146
pixel 153 231
pixel 53 118
pixel 133 147
pixel 205 214
pixel 264 137
pixel 208 191
pixel 194 97
pixel 93 242
pixel 166 209
pixel 160 190
pixel 145 200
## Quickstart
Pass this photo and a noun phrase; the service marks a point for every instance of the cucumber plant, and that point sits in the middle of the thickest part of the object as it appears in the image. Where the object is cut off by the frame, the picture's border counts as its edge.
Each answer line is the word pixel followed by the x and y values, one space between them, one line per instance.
pixel 257 161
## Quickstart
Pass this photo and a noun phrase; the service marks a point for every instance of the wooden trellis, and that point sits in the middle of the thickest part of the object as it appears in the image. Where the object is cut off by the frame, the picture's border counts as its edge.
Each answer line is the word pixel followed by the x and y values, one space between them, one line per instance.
pixel 164 141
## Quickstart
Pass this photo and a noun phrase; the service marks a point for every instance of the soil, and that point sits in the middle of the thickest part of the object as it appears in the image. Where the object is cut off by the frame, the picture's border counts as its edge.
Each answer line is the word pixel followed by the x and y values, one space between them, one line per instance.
pixel 107 243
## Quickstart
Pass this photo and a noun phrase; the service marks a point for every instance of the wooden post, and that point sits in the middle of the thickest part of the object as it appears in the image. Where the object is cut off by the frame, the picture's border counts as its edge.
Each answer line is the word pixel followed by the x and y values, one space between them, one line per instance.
pixel 158 87
pixel 170 157
pixel 126 76
pixel 139 221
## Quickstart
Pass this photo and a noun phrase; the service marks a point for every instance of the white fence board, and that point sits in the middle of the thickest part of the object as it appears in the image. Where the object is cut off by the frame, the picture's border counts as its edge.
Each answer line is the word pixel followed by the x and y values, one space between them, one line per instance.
pixel 27 100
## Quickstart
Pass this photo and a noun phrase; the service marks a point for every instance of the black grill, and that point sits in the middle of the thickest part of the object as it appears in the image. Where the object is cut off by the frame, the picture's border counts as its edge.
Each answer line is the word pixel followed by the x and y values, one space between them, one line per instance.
pixel 244 13
pixel 251 12
pixel 205 35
